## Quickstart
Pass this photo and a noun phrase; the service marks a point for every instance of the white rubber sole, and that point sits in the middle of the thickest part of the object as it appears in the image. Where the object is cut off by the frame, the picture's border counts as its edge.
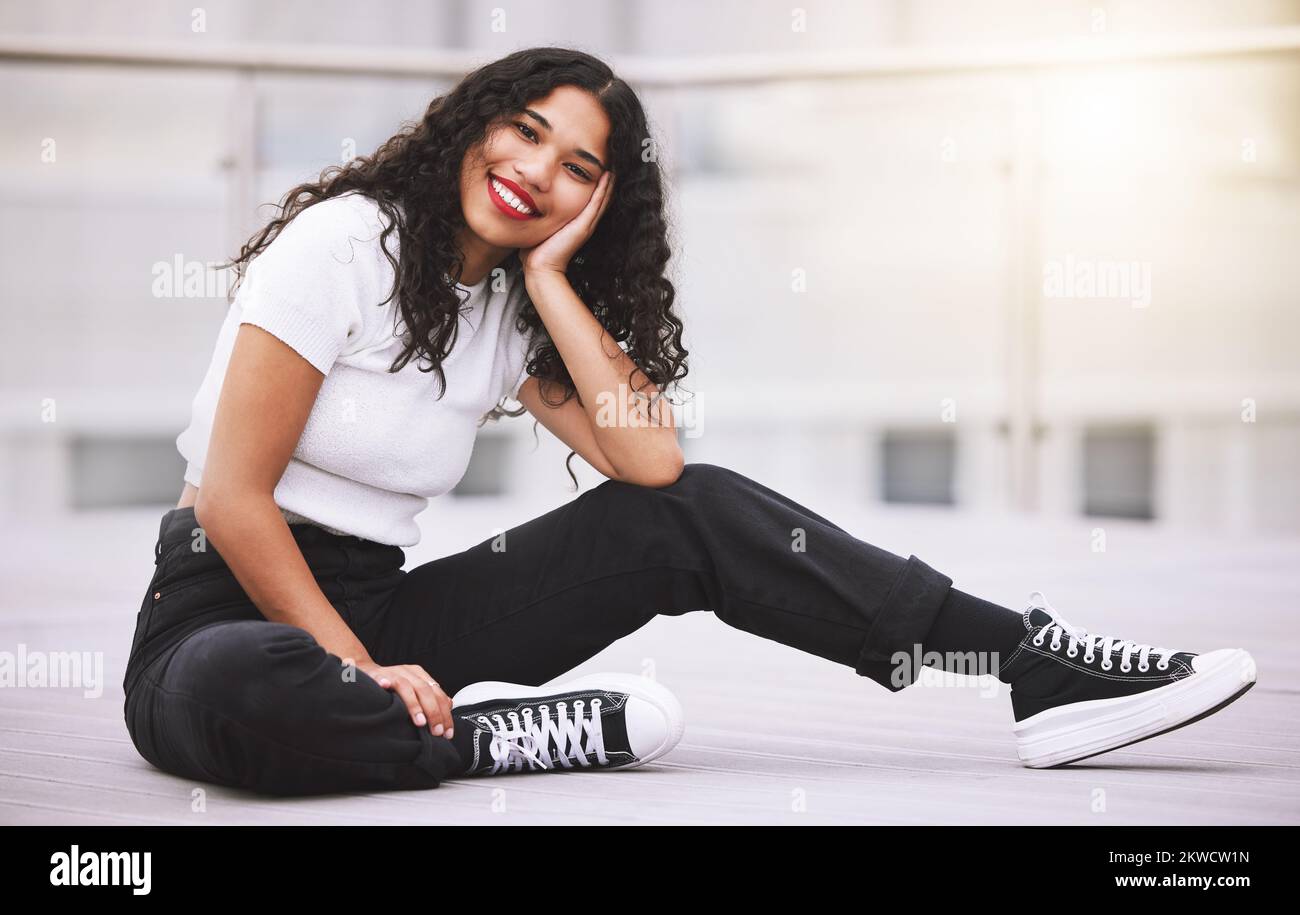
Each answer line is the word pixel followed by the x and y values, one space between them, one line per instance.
pixel 653 694
pixel 1076 731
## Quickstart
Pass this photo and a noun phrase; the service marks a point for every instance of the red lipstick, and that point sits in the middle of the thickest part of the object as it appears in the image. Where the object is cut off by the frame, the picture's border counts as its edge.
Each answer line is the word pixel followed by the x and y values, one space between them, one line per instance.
pixel 515 189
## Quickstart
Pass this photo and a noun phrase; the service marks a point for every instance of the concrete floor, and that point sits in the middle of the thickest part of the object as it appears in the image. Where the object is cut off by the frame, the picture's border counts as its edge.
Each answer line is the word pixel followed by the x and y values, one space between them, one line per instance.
pixel 772 735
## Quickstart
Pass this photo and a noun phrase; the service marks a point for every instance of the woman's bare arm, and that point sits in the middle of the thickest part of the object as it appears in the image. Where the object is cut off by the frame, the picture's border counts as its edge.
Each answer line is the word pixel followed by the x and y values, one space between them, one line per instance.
pixel 265 400
pixel 627 433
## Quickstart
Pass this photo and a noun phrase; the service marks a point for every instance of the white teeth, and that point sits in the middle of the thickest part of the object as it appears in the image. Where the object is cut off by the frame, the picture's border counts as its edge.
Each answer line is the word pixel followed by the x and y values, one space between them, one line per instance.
pixel 510 198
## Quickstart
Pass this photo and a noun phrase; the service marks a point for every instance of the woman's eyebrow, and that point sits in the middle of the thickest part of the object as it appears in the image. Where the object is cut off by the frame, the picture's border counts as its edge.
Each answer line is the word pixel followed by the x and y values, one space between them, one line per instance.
pixel 582 153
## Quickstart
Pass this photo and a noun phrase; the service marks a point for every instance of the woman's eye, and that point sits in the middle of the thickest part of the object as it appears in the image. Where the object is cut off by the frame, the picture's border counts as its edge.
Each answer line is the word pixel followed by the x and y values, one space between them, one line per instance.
pixel 532 135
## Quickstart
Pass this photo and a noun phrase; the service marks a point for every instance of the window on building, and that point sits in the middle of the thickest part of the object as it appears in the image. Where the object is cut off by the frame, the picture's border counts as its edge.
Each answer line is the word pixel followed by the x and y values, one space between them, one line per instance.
pixel 488 466
pixel 1119 471
pixel 918 466
pixel 114 471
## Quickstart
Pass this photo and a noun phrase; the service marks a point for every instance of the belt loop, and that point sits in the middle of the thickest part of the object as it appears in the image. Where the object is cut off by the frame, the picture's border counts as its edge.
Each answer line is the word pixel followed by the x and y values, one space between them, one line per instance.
pixel 162 534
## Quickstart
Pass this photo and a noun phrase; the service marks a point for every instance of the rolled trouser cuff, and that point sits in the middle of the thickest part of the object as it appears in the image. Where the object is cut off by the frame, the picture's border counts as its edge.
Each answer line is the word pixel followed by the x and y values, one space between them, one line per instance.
pixel 904 620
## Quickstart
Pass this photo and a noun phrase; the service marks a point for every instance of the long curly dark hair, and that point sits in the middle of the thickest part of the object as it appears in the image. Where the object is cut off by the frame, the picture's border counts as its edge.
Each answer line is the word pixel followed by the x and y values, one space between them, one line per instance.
pixel 415 178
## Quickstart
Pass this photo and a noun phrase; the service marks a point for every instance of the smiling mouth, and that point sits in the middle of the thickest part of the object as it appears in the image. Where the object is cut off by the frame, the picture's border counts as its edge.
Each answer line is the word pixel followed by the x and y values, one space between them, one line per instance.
pixel 508 201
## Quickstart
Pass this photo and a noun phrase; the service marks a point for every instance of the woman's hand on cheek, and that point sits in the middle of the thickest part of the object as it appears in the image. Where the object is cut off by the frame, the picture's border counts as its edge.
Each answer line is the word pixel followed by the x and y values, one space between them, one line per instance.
pixel 553 254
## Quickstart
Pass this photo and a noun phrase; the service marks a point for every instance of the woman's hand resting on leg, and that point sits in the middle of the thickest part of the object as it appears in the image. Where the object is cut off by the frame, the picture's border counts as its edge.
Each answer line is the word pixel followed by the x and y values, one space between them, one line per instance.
pixel 424 698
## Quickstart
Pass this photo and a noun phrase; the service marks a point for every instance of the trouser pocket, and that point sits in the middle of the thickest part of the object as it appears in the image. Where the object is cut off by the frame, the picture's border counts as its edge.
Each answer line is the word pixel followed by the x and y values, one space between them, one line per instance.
pixel 189 590
pixel 142 619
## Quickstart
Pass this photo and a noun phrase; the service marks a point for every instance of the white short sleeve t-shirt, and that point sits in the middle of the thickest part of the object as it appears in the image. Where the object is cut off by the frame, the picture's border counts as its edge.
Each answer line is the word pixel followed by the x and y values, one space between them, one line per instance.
pixel 377 445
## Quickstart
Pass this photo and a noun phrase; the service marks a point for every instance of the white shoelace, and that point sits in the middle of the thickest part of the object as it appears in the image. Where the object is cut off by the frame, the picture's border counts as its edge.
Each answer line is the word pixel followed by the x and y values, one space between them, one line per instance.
pixel 517 744
pixel 1092 644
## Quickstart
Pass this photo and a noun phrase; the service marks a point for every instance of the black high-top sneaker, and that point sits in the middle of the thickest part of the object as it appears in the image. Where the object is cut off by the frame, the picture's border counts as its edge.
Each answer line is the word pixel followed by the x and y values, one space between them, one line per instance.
pixel 1075 694
pixel 601 721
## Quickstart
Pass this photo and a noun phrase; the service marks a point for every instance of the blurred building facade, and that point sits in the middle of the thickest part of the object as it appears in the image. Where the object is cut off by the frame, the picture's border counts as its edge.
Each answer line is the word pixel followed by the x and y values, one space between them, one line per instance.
pixel 928 253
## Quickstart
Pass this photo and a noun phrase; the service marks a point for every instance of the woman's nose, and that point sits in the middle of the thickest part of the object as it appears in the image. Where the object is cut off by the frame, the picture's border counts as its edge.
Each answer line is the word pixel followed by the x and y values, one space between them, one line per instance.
pixel 531 182
pixel 534 175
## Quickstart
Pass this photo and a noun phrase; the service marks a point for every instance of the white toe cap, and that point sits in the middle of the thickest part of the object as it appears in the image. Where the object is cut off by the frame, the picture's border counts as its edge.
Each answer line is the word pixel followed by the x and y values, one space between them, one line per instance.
pixel 1225 658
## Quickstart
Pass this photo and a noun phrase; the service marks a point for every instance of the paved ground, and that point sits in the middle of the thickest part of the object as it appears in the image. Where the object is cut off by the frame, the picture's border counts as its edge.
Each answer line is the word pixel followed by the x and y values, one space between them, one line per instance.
pixel 773 736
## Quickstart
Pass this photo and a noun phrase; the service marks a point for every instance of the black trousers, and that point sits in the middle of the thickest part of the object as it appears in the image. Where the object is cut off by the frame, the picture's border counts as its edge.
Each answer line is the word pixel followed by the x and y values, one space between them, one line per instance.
pixel 217 693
